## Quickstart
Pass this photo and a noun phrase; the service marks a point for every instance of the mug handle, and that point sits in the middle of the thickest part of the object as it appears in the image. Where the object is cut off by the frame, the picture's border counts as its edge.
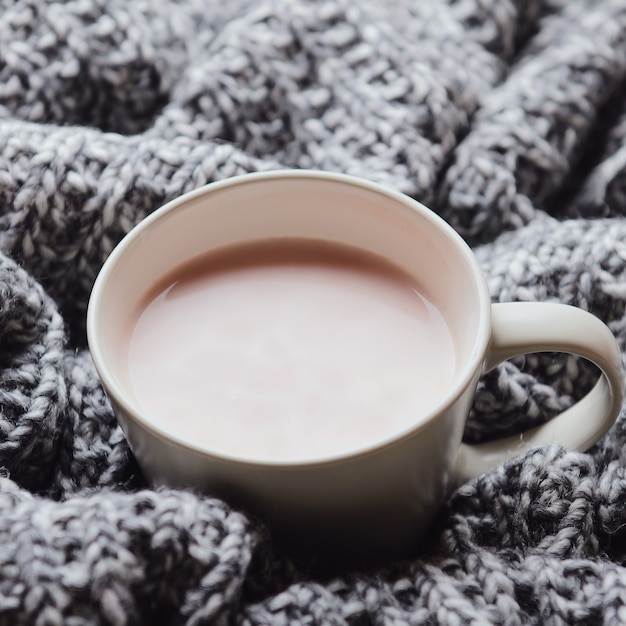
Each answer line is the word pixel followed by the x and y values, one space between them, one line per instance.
pixel 525 327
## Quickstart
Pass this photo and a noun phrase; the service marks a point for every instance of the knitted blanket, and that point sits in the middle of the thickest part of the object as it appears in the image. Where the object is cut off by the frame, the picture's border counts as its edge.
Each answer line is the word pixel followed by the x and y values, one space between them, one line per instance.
pixel 507 117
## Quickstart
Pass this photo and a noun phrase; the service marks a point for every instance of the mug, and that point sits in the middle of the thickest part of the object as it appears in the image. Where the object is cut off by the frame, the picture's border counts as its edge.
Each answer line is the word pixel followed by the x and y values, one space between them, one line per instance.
pixel 371 504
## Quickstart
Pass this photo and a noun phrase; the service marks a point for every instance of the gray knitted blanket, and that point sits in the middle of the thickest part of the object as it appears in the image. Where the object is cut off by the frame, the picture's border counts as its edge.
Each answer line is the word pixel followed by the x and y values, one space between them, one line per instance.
pixel 507 117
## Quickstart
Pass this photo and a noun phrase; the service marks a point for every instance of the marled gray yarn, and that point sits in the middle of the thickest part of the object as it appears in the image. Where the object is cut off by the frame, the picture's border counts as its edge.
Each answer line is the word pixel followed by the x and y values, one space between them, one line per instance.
pixel 508 117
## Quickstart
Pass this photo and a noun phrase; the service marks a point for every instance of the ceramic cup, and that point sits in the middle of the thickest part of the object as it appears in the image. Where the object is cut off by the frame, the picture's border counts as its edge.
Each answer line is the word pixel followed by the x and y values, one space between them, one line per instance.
pixel 373 503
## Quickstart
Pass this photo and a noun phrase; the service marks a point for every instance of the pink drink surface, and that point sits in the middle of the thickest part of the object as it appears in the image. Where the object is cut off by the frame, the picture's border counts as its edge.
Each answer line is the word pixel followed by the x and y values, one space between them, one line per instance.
pixel 289 350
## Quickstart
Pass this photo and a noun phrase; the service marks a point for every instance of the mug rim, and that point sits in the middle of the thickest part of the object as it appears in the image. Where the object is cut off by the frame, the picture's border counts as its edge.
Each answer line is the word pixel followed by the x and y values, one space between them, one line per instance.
pixel 472 365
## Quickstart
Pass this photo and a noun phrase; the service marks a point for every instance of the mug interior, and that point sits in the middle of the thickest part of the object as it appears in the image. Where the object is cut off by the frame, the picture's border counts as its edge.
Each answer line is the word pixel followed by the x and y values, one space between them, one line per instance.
pixel 329 207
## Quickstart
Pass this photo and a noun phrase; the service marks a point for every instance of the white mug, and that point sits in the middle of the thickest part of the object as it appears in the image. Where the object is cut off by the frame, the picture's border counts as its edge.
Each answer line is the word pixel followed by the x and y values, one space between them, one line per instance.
pixel 374 503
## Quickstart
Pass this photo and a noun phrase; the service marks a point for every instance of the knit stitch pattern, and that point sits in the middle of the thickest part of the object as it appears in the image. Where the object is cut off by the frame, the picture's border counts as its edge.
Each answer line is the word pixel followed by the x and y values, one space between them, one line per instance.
pixel 506 117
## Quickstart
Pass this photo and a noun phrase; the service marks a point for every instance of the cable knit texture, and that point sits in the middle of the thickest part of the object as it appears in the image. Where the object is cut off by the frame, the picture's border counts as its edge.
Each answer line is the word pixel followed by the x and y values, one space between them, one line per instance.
pixel 507 117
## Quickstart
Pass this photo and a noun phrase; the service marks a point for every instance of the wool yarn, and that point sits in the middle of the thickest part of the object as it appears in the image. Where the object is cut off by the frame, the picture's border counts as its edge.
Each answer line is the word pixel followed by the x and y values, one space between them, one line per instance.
pixel 507 117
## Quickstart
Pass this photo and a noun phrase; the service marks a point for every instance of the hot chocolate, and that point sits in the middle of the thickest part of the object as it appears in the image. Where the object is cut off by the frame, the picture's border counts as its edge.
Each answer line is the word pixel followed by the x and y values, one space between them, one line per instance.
pixel 289 350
